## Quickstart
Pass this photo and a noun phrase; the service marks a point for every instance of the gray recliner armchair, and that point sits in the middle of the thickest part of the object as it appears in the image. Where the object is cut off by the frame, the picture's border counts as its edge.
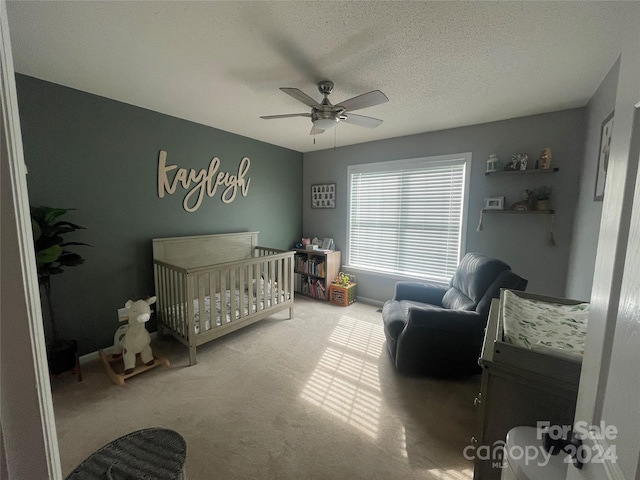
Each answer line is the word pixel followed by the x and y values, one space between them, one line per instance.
pixel 438 331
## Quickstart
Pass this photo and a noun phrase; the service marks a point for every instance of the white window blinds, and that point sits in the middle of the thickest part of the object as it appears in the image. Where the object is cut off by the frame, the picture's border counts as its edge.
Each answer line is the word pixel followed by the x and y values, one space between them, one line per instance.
pixel 406 217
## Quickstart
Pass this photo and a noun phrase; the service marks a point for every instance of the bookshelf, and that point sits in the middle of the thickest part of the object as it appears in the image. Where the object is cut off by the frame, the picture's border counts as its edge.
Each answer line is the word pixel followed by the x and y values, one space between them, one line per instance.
pixel 314 271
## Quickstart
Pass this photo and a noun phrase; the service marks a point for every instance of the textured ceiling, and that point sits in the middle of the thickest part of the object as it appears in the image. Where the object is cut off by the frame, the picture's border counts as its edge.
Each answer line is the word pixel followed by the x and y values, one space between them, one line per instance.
pixel 442 64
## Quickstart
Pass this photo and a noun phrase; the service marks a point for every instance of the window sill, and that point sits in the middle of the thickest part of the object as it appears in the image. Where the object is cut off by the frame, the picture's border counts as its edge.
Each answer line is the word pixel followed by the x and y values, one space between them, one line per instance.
pixel 391 276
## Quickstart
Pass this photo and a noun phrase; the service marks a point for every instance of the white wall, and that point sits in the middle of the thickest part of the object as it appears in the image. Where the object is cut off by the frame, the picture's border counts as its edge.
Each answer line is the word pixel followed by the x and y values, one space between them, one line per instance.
pixel 588 212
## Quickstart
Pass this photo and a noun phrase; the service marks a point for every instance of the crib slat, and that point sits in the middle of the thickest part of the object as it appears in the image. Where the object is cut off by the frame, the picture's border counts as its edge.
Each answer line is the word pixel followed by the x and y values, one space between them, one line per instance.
pixel 166 280
pixel 157 280
pixel 167 301
pixel 233 301
pixel 259 286
pixel 281 281
pixel 212 300
pixel 175 301
pixel 166 309
pixel 172 298
pixel 173 285
pixel 201 302
pixel 250 289
pixel 223 300
pixel 241 291
pixel 285 278
pixel 272 281
pixel 180 301
pixel 188 294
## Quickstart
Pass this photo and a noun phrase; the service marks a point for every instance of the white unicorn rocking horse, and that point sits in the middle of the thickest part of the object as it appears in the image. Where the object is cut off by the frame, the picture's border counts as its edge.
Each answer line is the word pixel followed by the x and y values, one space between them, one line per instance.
pixel 132 339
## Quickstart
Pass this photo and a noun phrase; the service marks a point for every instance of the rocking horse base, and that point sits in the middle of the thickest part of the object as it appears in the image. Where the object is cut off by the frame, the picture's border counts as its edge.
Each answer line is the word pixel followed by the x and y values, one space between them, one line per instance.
pixel 119 377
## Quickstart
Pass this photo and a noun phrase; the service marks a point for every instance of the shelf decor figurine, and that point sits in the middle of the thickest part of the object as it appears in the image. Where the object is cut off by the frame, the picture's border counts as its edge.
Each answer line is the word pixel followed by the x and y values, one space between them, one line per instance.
pixel 493 163
pixel 544 162
pixel 524 159
pixel 518 162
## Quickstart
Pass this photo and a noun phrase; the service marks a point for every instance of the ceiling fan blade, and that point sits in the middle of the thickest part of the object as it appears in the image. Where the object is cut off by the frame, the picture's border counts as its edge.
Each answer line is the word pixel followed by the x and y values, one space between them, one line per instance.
pixel 286 115
pixel 316 131
pixel 363 101
pixel 361 120
pixel 300 96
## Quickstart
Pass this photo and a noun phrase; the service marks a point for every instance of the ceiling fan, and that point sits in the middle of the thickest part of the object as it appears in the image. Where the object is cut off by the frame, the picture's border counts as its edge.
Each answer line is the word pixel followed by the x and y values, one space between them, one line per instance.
pixel 324 115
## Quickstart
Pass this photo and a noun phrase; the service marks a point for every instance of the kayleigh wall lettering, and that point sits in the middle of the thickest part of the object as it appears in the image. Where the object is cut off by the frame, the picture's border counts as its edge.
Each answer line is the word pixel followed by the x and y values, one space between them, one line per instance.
pixel 201 182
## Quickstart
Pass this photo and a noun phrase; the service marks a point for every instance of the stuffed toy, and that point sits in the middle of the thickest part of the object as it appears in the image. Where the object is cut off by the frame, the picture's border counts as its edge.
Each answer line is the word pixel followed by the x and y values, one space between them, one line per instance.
pixel 133 338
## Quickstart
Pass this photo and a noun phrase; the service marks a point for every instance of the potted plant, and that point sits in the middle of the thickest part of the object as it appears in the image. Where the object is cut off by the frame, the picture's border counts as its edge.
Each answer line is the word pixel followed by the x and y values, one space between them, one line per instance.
pixel 542 196
pixel 52 258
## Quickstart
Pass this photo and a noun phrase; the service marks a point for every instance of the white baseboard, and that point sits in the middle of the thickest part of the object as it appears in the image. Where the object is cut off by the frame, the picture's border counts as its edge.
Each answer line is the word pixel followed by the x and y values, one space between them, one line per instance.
pixel 369 301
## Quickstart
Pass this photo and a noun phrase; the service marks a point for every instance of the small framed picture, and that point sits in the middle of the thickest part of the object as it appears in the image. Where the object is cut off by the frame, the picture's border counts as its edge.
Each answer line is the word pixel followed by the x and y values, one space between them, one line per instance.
pixel 323 196
pixel 327 244
pixel 603 157
pixel 494 203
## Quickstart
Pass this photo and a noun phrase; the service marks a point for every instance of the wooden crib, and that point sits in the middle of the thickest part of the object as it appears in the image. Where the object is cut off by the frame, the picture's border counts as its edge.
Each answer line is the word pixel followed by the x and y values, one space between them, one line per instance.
pixel 211 285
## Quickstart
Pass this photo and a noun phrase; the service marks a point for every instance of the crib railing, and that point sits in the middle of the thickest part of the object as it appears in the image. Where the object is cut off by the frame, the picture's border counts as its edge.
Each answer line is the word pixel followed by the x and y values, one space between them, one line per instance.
pixel 173 310
pixel 253 287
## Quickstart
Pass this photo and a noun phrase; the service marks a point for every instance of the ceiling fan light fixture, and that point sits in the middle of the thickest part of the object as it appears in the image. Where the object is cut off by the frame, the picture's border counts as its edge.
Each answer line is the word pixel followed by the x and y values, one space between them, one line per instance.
pixel 326 116
pixel 326 123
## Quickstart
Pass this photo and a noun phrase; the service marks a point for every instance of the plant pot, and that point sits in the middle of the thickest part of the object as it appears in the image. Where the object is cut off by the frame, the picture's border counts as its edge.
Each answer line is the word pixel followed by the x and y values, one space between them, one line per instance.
pixel 543 205
pixel 62 356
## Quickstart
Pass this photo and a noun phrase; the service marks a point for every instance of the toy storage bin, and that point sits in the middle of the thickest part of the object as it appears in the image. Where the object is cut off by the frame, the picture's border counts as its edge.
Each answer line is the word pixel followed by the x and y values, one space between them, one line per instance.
pixel 343 296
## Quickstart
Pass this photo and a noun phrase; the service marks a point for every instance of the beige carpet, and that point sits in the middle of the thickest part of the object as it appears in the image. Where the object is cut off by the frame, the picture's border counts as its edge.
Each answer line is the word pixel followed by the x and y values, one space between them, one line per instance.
pixel 315 397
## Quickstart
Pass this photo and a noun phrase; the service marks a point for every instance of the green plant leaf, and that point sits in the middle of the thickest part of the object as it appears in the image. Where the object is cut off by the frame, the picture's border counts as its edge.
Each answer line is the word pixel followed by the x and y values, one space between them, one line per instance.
pixel 48 239
pixel 48 255
pixel 45 242
pixel 50 214
pixel 36 230
pixel 65 227
pixel 74 243
pixel 69 259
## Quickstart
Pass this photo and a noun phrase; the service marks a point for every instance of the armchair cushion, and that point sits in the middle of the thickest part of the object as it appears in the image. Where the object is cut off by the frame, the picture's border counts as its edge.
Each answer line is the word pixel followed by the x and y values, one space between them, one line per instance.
pixel 506 279
pixel 420 292
pixel 473 277
pixel 437 318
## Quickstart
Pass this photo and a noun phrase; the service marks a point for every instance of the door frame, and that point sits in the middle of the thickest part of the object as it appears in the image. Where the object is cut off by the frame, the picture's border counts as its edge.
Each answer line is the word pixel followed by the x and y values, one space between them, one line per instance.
pixel 30 445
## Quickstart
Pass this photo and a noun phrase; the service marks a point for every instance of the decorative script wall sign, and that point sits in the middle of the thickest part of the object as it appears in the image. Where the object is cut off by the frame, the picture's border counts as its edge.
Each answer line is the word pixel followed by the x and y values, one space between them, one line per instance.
pixel 199 182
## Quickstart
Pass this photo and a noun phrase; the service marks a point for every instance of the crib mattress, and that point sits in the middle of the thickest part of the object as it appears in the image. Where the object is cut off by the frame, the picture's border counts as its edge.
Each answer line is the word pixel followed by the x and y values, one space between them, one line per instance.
pixel 546 327
pixel 252 305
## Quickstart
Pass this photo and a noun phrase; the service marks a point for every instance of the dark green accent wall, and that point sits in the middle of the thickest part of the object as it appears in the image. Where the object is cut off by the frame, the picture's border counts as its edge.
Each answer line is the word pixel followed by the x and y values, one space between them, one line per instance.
pixel 100 156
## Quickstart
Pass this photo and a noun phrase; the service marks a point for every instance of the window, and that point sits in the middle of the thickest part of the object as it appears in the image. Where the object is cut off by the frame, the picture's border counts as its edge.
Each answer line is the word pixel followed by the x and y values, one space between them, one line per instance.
pixel 407 217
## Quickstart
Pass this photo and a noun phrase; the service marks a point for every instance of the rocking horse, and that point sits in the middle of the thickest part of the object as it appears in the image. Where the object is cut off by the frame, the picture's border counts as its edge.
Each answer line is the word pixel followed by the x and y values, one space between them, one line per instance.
pixel 130 340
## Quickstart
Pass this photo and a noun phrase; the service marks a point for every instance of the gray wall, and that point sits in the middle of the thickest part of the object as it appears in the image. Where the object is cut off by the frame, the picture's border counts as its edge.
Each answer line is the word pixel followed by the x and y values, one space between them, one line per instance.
pixel 521 241
pixel 586 225
pixel 100 157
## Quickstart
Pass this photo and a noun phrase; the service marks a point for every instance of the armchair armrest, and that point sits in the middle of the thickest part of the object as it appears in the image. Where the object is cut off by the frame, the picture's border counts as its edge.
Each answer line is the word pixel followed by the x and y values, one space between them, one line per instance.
pixel 420 292
pixel 467 321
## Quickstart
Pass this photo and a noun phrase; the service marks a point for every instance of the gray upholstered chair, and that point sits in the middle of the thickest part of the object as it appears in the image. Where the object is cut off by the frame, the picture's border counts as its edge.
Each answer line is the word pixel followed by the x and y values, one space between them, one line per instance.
pixel 439 331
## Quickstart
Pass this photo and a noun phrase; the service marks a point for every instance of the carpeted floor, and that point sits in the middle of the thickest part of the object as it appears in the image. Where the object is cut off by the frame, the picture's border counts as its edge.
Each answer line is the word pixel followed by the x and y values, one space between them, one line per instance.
pixel 315 397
